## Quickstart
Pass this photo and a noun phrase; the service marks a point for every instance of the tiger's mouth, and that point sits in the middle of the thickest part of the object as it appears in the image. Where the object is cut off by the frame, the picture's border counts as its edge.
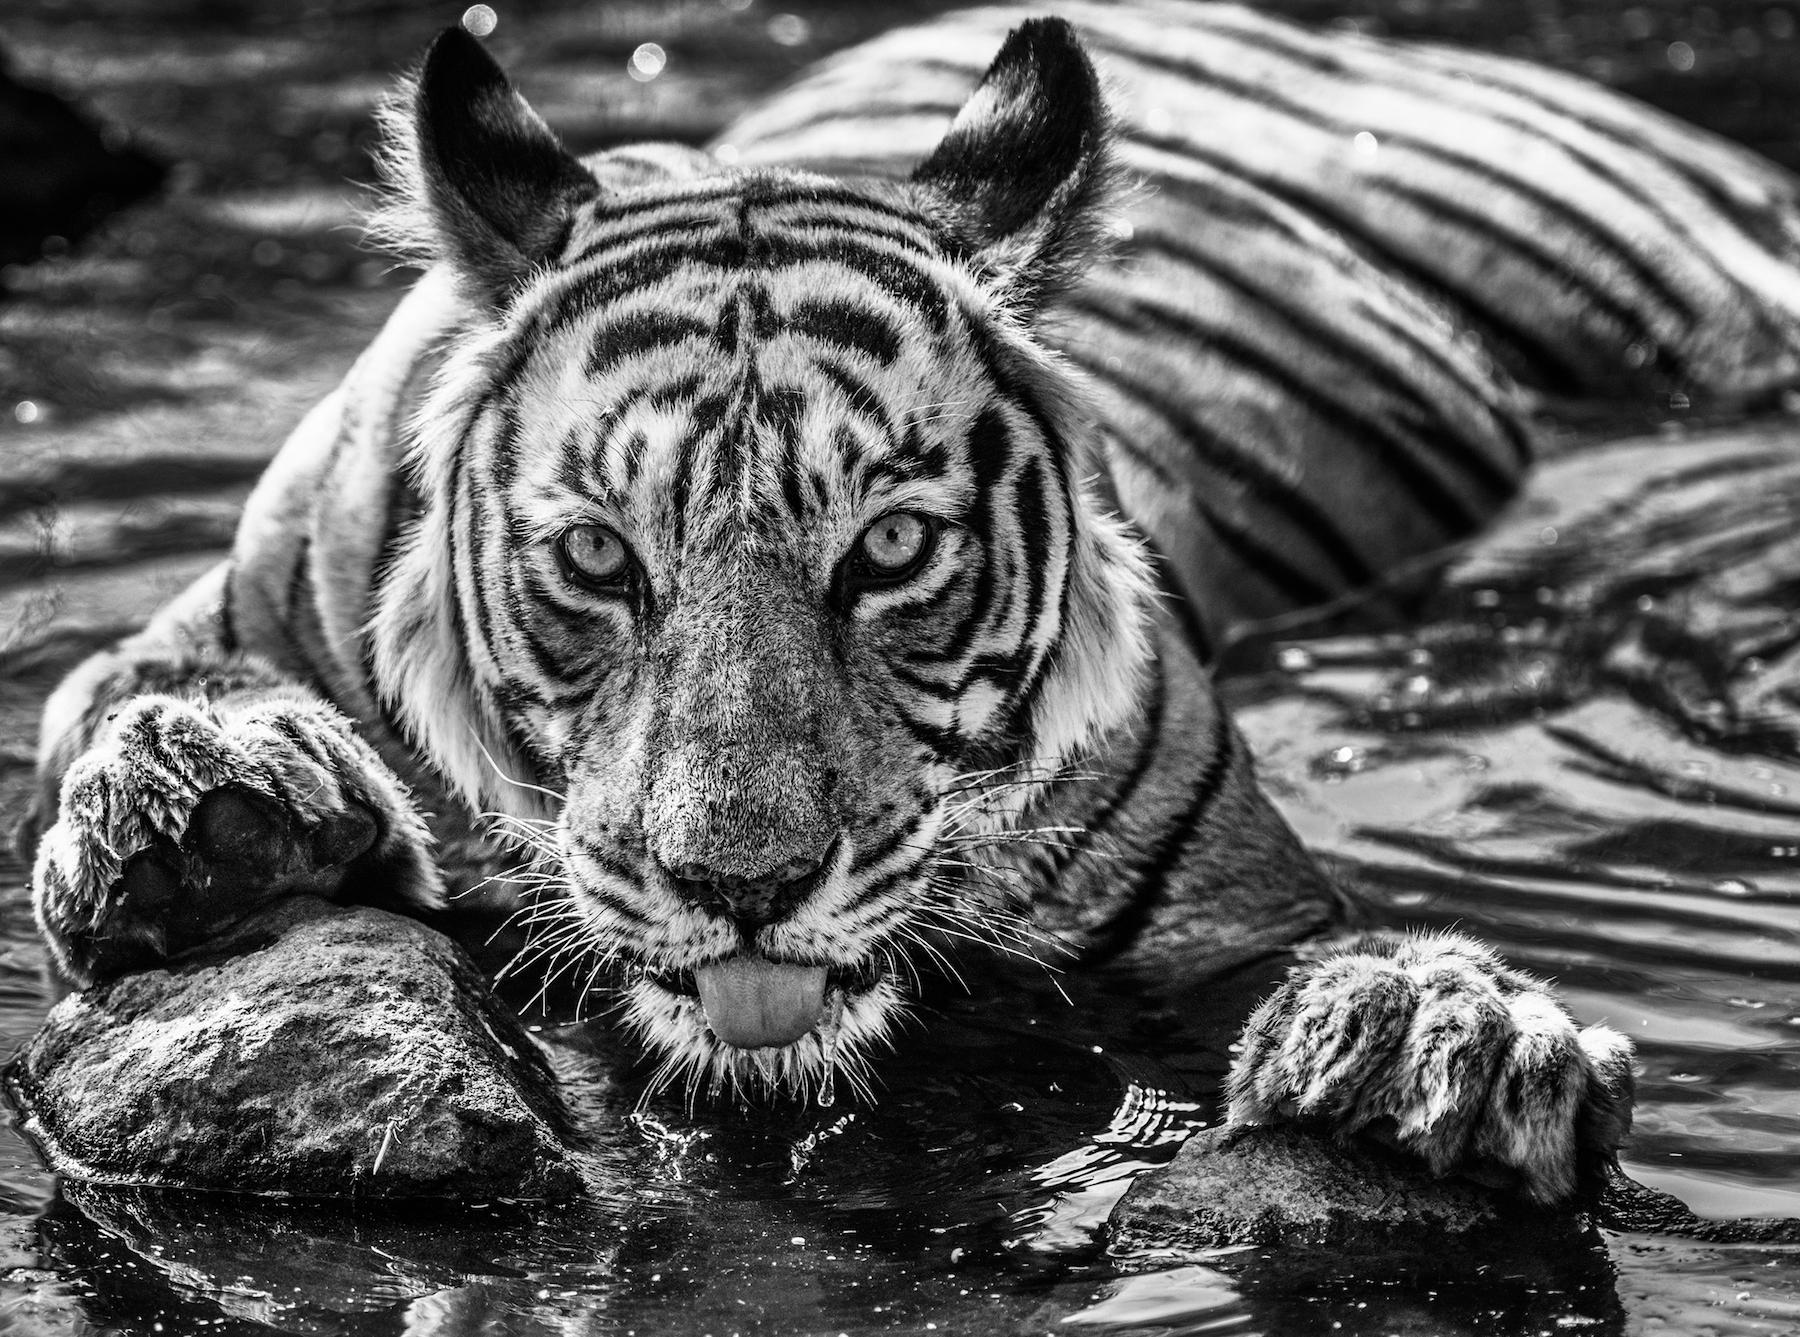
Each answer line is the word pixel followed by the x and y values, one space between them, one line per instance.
pixel 753 997
pixel 748 1023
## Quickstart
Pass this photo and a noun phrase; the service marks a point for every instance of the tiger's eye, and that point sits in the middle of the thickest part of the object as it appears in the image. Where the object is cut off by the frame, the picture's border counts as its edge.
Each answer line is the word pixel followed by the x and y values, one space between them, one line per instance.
pixel 895 543
pixel 594 553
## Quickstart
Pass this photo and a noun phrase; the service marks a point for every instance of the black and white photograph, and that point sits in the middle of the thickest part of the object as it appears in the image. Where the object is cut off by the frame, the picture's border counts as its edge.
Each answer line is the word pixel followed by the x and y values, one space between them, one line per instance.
pixel 774 668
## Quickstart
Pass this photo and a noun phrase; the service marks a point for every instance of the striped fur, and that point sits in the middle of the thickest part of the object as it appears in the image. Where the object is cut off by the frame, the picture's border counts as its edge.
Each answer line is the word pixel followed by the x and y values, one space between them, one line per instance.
pixel 1313 365
pixel 1341 235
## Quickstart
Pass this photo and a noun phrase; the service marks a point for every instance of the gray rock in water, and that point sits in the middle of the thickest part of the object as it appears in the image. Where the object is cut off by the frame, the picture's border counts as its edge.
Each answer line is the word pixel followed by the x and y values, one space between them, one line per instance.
pixel 318 1051
pixel 1285 1186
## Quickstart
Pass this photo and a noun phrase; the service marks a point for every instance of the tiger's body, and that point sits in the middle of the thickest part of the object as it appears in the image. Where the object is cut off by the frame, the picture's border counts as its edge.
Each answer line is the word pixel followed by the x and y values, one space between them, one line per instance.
pixel 777 539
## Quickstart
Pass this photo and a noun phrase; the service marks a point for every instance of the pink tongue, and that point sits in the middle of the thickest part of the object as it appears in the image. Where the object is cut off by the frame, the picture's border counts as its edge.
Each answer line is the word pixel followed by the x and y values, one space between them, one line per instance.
pixel 751 1002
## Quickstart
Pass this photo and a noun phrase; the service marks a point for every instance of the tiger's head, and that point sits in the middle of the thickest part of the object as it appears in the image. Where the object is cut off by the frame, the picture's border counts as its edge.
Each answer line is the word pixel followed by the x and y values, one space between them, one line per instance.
pixel 756 573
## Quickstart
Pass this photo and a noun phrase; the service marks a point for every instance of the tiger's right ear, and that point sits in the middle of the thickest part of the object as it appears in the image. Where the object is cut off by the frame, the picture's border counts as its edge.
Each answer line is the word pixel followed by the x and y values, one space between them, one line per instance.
pixel 475 176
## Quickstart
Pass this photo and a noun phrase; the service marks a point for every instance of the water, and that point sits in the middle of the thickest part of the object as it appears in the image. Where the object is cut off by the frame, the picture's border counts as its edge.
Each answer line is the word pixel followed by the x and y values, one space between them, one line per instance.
pixel 1583 750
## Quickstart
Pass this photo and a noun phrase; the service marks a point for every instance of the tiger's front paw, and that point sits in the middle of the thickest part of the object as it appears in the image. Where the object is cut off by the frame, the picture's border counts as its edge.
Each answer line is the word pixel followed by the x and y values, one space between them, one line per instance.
pixel 182 821
pixel 1432 1043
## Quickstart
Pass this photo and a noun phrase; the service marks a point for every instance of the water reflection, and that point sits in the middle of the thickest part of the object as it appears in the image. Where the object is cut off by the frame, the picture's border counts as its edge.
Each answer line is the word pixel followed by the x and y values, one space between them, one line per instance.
pixel 990 1146
pixel 1518 1285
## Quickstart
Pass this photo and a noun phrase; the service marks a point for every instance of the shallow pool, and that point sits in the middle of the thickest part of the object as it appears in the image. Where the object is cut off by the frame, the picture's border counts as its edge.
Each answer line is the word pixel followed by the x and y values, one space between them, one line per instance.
pixel 1585 747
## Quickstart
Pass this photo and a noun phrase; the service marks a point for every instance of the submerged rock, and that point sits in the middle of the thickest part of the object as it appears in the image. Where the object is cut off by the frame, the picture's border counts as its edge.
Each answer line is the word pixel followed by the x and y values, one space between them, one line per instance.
pixel 316 1050
pixel 1284 1186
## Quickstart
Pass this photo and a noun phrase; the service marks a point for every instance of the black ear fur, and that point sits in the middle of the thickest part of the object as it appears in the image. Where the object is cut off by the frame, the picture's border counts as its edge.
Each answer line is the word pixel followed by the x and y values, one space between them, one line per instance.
pixel 497 185
pixel 1023 178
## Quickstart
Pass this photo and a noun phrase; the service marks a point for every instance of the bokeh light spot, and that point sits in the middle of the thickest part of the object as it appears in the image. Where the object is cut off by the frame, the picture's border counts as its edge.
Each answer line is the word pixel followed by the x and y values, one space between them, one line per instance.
pixel 647 62
pixel 480 20
pixel 789 30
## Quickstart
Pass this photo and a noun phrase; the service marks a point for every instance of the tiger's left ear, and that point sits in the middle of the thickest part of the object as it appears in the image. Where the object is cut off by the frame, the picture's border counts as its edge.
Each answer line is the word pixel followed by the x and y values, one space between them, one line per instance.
pixel 1022 181
pixel 476 176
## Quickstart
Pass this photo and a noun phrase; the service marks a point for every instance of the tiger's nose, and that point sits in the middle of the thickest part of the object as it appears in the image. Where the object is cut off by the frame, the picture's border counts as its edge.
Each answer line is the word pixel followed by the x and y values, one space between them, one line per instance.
pixel 751 901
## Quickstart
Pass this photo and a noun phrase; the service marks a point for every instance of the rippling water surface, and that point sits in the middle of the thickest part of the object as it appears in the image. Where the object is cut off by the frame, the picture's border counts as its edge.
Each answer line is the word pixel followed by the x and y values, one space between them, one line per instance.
pixel 1586 749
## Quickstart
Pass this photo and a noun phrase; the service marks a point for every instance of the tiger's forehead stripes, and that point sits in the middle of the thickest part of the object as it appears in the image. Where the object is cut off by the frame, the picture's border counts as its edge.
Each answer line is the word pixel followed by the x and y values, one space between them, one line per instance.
pixel 771 394
pixel 629 245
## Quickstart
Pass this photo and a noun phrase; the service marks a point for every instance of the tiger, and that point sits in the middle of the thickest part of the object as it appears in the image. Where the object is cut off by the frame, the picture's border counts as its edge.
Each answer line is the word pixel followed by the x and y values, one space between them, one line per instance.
pixel 811 551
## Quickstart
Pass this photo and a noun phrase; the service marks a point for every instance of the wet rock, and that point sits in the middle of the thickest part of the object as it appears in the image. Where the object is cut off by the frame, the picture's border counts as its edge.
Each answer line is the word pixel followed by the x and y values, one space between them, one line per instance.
pixel 316 1050
pixel 59 173
pixel 1283 1186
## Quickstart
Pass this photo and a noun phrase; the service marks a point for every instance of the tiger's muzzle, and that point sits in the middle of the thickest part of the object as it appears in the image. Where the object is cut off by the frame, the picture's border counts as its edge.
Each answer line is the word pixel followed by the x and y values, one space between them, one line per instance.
pixel 749 1001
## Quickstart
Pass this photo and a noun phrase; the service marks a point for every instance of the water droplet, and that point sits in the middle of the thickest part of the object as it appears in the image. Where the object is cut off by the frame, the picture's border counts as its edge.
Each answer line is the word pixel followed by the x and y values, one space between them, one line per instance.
pixel 480 20
pixel 1366 145
pixel 1547 536
pixel 1681 57
pixel 647 62
pixel 26 412
pixel 1293 659
pixel 829 1030
pixel 1341 762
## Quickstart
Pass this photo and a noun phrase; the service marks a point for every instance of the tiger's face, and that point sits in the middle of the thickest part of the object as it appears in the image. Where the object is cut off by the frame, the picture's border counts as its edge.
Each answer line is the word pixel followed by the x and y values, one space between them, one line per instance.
pixel 754 543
